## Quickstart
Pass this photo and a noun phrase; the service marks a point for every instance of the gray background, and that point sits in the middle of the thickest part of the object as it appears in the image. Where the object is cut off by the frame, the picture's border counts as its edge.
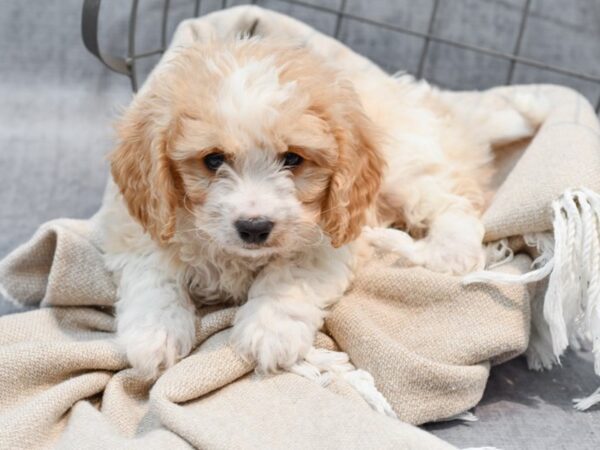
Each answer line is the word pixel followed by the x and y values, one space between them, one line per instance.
pixel 58 104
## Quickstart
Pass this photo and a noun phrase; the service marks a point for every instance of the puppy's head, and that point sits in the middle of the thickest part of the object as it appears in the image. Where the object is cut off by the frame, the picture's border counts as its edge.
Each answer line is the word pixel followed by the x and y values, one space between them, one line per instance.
pixel 267 148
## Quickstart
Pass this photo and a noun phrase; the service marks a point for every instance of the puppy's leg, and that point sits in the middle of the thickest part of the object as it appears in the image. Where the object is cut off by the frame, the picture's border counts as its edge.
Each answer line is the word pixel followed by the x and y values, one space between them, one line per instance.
pixel 286 306
pixel 155 319
pixel 498 119
pixel 453 244
pixel 395 241
pixel 454 232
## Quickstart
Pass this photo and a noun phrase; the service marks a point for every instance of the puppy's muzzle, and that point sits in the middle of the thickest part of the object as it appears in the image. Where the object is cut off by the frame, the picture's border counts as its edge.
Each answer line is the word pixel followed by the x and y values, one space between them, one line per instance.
pixel 255 230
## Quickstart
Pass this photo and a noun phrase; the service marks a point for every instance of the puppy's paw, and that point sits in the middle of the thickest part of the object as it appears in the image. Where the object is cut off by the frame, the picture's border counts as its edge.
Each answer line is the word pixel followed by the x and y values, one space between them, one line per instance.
pixel 273 343
pixel 453 257
pixel 393 240
pixel 454 244
pixel 152 348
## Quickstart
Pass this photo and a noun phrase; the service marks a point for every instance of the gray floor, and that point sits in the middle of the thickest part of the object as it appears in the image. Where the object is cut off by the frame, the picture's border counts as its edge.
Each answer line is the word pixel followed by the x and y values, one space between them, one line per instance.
pixel 522 410
pixel 58 104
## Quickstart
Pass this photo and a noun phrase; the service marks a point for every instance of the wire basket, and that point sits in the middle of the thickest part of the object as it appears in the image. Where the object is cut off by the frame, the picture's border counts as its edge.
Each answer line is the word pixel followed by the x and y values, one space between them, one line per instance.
pixel 337 9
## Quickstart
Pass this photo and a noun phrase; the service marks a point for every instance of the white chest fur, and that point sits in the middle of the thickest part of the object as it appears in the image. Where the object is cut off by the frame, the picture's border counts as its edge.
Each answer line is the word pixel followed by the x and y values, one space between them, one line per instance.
pixel 213 277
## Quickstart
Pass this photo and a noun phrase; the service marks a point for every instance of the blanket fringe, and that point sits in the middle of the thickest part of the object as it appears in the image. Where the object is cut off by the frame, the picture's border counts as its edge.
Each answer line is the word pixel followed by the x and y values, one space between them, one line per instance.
pixel 466 416
pixel 570 260
pixel 481 448
pixel 9 298
pixel 498 253
pixel 323 366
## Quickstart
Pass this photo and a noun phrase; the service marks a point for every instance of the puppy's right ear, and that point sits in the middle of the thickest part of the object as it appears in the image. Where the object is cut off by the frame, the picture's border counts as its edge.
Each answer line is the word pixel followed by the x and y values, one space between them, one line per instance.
pixel 142 169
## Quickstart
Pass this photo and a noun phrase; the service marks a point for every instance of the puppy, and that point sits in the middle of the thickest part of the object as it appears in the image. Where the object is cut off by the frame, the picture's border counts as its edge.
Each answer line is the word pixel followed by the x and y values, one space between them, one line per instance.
pixel 246 172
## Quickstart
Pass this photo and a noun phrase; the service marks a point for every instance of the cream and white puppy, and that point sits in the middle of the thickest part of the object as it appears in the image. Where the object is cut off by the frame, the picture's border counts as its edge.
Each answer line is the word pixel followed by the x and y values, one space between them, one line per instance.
pixel 246 172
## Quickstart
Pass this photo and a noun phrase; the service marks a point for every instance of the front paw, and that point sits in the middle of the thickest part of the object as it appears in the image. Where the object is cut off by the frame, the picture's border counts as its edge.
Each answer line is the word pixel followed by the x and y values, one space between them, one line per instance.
pixel 152 348
pixel 272 341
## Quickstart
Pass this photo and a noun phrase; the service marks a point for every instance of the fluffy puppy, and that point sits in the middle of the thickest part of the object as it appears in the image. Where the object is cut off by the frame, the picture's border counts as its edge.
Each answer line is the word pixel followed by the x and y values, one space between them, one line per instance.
pixel 246 172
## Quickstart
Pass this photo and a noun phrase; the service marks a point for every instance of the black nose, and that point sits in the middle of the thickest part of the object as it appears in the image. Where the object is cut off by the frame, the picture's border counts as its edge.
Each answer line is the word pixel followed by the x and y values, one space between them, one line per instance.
pixel 255 230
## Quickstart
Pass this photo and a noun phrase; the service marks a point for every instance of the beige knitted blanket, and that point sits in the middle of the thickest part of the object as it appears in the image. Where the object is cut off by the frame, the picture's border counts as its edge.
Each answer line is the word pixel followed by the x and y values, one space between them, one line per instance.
pixel 427 340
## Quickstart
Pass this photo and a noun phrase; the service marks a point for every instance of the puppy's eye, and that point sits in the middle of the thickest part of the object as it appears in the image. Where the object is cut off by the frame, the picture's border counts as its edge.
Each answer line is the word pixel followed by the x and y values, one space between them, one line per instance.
pixel 214 161
pixel 291 160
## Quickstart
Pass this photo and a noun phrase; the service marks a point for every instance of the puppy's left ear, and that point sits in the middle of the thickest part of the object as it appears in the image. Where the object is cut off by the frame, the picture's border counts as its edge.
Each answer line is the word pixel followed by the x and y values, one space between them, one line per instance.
pixel 357 177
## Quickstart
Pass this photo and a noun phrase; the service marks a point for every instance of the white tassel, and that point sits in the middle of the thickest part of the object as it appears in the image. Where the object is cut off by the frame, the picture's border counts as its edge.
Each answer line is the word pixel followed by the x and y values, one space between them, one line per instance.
pixel 485 276
pixel 585 403
pixel 498 253
pixel 571 261
pixel 481 448
pixel 466 416
pixel 322 366
pixel 364 384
